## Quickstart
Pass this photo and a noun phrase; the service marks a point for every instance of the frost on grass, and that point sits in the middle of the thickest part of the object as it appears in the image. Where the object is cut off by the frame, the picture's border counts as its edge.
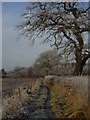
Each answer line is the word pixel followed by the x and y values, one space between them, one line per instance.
pixel 12 106
pixel 68 97
pixel 15 105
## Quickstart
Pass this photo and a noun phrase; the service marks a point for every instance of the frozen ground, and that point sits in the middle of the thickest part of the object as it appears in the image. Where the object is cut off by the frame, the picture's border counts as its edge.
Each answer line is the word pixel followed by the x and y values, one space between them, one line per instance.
pixel 36 104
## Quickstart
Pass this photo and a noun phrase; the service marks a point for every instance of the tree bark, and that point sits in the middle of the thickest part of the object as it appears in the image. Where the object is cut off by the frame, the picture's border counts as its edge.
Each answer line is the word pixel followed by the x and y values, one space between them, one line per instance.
pixel 77 70
pixel 80 63
pixel 83 62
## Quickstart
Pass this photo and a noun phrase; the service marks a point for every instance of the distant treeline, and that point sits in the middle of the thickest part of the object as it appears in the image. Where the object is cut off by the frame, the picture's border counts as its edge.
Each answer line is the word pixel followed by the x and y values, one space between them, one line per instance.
pixel 48 63
pixel 58 70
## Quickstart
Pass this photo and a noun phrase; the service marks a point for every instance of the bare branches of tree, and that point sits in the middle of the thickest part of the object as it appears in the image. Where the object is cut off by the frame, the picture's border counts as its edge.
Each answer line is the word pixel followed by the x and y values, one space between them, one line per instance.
pixel 62 24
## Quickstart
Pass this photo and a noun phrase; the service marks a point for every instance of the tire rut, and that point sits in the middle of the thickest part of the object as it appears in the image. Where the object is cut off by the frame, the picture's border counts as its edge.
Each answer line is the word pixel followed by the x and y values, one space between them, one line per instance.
pixel 47 108
pixel 43 109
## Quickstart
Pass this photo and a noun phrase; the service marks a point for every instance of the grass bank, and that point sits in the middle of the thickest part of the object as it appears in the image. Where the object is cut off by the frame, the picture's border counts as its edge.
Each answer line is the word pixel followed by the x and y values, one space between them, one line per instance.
pixel 66 101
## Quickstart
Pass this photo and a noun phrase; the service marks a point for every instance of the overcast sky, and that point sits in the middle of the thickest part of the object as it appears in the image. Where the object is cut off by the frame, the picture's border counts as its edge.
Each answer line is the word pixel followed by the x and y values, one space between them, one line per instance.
pixel 17 53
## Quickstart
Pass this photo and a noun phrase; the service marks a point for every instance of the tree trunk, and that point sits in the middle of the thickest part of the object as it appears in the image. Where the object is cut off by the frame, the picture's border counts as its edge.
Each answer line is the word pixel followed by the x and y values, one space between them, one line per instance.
pixel 77 70
pixel 78 62
pixel 80 65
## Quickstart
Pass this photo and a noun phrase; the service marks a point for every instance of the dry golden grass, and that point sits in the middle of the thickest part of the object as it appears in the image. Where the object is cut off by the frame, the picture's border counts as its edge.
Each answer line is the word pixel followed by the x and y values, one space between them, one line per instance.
pixel 67 102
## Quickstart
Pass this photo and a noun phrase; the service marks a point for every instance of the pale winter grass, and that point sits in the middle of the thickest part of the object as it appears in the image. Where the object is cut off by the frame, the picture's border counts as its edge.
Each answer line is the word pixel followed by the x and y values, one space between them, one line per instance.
pixel 70 93
pixel 0 107
pixel 69 97
pixel 13 106
pixel 78 83
pixel 0 98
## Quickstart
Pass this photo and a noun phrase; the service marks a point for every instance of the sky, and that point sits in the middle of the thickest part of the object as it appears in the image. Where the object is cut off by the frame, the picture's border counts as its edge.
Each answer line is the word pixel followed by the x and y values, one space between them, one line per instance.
pixel 0 35
pixel 44 0
pixel 17 52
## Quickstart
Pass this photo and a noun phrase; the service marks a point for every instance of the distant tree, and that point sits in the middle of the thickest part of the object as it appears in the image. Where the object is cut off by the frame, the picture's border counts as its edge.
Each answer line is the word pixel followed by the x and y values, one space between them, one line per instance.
pixel 63 24
pixel 48 58
pixel 18 71
pixel 45 62
pixel 3 73
pixel 29 72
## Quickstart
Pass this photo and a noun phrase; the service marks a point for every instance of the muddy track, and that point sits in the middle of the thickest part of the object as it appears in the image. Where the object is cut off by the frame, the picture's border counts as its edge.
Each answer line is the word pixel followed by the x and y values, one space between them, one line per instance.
pixel 39 107
pixel 47 106
pixel 36 106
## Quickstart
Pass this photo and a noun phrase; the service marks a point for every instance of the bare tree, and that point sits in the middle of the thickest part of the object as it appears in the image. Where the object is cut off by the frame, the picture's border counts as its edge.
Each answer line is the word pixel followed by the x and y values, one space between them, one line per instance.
pixel 18 71
pixel 3 73
pixel 48 59
pixel 62 24
pixel 45 62
pixel 29 72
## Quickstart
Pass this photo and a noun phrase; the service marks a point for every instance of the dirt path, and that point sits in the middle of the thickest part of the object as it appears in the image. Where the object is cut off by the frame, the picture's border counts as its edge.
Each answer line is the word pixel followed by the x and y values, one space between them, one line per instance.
pixel 38 107
pixel 36 103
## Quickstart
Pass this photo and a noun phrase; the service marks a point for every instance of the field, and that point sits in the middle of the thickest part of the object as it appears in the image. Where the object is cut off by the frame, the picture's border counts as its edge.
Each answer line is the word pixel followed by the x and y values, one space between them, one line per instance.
pixel 49 97
pixel 9 84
